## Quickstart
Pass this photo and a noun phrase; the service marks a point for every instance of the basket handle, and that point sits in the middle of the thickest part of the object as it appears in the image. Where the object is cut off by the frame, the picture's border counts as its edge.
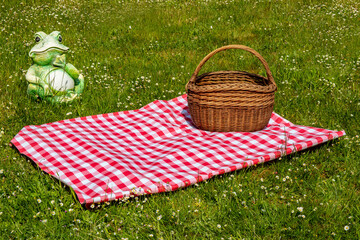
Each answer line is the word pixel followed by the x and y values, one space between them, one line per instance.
pixel 262 60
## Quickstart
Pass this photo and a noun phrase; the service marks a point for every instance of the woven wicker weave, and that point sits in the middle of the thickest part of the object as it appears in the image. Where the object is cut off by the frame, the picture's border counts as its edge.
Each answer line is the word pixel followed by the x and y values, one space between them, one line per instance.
pixel 227 101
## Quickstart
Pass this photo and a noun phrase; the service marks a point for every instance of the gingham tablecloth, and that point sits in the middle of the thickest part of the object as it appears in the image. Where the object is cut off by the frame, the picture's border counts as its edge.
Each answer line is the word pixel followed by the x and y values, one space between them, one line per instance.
pixel 153 149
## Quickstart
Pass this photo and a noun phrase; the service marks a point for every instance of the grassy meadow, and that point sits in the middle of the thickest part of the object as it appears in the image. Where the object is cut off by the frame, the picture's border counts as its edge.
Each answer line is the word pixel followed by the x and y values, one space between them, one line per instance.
pixel 133 52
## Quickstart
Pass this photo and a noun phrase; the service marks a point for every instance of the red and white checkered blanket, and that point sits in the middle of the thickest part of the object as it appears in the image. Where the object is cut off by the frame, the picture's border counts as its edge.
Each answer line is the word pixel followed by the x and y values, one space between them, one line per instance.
pixel 153 149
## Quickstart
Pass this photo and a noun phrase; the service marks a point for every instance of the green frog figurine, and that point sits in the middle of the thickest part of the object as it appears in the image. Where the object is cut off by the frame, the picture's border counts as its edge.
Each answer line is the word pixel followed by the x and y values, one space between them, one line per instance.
pixel 51 77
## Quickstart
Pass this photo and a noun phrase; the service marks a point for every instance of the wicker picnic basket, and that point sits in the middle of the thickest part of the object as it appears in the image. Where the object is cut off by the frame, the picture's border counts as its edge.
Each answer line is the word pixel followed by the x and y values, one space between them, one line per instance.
pixel 231 101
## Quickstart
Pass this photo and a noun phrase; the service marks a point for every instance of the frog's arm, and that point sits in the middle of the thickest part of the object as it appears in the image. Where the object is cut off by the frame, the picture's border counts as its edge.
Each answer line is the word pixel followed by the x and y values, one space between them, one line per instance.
pixel 72 71
pixel 31 76
pixel 79 84
pixel 78 78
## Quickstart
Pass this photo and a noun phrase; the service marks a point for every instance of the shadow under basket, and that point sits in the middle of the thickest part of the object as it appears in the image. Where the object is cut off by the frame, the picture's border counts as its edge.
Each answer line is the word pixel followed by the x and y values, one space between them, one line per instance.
pixel 231 101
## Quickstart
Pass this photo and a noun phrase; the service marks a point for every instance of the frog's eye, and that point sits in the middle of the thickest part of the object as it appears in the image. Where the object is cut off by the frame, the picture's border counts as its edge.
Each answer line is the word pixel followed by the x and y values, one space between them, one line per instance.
pixel 37 39
pixel 60 38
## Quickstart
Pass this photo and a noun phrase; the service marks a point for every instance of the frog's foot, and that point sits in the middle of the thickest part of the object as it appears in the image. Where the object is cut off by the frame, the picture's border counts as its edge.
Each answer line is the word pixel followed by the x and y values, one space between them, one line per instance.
pixel 35 91
pixel 79 84
pixel 70 96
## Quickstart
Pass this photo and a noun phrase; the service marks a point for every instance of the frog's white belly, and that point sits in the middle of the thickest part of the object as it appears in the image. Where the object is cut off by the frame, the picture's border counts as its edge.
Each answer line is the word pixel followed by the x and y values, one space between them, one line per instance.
pixel 60 80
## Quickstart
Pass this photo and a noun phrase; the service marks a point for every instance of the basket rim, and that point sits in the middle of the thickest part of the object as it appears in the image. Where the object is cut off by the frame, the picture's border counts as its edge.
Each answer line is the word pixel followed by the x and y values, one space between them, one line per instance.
pixel 235 86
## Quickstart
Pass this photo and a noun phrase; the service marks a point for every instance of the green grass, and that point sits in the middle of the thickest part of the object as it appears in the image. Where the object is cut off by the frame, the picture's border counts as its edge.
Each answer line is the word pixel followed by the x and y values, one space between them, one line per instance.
pixel 133 53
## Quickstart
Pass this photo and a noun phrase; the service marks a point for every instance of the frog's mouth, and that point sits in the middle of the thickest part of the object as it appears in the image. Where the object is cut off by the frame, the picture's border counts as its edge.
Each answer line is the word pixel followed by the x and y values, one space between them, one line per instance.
pixel 61 50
